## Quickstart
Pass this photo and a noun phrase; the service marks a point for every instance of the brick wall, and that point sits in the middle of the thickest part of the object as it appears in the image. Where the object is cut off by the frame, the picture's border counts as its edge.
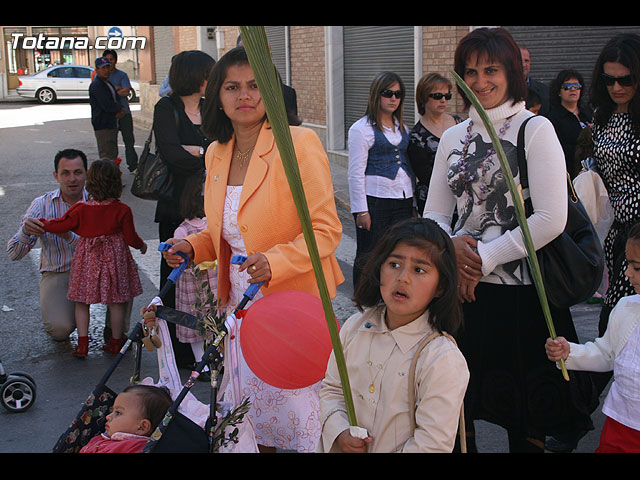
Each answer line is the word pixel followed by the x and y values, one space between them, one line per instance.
pixel 438 48
pixel 308 72
pixel 185 38
pixel 230 38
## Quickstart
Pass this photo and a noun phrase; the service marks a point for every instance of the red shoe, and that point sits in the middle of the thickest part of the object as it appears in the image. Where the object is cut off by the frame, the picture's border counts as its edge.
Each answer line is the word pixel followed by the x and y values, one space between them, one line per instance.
pixel 82 350
pixel 113 346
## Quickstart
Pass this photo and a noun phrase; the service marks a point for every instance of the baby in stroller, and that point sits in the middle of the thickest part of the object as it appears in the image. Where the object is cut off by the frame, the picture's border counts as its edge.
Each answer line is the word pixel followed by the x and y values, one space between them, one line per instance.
pixel 137 411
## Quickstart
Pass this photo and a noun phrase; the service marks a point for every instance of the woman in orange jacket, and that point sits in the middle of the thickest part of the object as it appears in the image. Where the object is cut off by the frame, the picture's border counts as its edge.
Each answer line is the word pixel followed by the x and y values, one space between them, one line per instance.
pixel 250 211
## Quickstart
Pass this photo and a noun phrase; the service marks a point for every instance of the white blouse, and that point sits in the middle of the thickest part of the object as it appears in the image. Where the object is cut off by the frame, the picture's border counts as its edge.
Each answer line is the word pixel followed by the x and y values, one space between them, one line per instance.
pixel 361 139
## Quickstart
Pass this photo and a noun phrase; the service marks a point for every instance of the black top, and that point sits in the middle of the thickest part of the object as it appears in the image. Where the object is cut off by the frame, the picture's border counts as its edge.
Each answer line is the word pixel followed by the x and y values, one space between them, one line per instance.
pixel 568 127
pixel 170 136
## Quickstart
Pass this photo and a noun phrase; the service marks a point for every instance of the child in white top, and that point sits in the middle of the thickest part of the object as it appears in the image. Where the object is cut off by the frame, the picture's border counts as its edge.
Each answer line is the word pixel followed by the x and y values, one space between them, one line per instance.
pixel 618 350
pixel 409 289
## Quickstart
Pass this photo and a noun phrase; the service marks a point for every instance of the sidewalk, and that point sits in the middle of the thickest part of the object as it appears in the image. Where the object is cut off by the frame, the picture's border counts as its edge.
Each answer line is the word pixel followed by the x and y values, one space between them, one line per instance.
pixel 340 185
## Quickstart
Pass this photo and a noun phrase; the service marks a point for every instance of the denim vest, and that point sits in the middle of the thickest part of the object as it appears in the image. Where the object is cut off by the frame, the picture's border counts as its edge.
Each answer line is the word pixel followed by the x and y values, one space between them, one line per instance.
pixel 385 158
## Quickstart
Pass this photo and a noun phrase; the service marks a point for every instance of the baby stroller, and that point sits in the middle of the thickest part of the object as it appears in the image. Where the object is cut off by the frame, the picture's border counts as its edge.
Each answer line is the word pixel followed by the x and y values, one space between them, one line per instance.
pixel 189 425
pixel 17 390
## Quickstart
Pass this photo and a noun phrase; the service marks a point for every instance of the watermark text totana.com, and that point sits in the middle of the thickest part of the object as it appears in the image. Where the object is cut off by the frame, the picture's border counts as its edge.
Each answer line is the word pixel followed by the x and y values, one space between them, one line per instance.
pixel 77 43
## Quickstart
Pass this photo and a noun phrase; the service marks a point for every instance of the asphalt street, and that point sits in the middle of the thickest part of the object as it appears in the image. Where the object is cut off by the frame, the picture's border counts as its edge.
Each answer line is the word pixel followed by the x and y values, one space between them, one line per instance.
pixel 30 135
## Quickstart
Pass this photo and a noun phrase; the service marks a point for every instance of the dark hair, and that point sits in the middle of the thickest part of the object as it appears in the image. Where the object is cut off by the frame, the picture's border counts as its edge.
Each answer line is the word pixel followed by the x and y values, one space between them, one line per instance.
pixel 110 52
pixel 215 123
pixel 497 45
pixel 426 85
pixel 381 81
pixel 532 99
pixel 634 232
pixel 155 402
pixel 69 153
pixel 584 147
pixel 445 311
pixel 104 180
pixel 623 48
pixel 188 70
pixel 192 201
pixel 556 84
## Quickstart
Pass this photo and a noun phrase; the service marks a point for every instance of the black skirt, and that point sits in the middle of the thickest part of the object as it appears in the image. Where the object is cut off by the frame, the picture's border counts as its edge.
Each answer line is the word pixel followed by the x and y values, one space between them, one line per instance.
pixel 513 384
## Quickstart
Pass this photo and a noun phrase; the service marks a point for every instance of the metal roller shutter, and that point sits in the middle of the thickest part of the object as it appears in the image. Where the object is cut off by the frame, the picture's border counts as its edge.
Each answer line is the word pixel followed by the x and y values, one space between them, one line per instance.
pixel 163 51
pixel 277 39
pixel 555 48
pixel 368 51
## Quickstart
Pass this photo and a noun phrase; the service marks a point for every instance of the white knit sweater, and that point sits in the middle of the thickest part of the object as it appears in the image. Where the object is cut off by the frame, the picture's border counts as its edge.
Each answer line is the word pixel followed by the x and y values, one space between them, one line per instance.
pixel 493 222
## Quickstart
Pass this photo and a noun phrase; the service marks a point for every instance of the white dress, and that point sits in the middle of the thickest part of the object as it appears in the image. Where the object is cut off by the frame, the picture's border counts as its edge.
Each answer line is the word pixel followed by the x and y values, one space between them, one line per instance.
pixel 285 419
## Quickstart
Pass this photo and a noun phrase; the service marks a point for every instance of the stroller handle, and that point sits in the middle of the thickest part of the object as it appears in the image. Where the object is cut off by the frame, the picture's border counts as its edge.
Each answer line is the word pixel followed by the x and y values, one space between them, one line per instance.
pixel 177 271
pixel 254 287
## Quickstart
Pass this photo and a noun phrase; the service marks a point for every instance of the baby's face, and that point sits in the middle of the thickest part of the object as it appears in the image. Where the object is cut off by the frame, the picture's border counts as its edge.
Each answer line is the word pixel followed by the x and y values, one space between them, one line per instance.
pixel 126 416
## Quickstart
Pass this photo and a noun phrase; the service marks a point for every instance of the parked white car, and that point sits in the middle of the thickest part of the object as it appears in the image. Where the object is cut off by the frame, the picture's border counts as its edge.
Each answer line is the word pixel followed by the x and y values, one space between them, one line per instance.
pixel 62 82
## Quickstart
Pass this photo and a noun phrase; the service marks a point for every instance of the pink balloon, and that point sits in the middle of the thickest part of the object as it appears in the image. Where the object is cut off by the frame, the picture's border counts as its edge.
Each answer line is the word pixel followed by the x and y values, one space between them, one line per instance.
pixel 285 339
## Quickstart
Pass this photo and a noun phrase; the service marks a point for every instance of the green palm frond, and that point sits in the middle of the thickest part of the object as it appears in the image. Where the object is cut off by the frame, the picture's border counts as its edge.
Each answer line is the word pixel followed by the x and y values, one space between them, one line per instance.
pixel 518 203
pixel 256 45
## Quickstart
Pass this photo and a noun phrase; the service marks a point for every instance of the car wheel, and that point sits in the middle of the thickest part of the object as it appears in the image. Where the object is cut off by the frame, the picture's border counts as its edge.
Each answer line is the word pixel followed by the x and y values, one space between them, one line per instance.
pixel 46 95
pixel 132 95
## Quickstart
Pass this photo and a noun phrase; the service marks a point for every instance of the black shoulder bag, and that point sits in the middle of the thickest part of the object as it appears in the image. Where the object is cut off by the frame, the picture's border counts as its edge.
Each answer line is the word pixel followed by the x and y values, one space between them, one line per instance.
pixel 572 264
pixel 153 180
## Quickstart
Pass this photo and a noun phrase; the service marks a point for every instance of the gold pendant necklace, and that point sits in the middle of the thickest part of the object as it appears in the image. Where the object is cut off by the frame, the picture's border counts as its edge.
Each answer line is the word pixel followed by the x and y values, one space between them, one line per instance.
pixel 243 156
pixel 380 366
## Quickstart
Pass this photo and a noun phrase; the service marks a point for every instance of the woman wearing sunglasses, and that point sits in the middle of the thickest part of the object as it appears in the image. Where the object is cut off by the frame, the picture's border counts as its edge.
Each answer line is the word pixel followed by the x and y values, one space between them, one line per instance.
pixel 432 98
pixel 616 147
pixel 380 176
pixel 568 114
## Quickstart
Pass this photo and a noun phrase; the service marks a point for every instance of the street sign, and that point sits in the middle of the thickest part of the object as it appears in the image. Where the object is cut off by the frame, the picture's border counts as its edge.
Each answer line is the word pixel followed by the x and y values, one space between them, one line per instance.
pixel 114 32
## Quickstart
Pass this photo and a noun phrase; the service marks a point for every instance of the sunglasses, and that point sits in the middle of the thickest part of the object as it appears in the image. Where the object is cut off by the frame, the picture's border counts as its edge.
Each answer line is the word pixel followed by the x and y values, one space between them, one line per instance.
pixel 624 81
pixel 386 93
pixel 439 96
pixel 571 86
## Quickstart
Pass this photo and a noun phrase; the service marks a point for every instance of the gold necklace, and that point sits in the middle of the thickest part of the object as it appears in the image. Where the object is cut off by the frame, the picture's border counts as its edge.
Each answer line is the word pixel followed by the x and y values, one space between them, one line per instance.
pixel 243 156
pixel 380 366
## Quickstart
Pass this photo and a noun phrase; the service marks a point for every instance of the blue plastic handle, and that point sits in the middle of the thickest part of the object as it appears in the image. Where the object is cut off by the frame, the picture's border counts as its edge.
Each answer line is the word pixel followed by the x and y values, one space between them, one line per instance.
pixel 177 271
pixel 254 287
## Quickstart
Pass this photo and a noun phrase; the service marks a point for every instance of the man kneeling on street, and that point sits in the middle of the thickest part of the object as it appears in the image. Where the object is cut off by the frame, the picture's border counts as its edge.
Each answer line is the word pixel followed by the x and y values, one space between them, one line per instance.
pixel 56 250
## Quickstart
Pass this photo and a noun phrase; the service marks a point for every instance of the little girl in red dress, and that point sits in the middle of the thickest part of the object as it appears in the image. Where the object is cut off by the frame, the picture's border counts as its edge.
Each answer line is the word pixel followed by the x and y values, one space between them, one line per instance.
pixel 102 269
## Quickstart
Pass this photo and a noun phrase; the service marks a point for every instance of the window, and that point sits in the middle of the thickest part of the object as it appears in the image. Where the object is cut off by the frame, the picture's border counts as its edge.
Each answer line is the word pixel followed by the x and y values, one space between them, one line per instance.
pixel 82 72
pixel 62 72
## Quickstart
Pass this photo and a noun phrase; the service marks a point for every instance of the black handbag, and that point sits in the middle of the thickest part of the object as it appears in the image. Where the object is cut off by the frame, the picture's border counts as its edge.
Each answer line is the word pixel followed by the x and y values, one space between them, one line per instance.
pixel 153 180
pixel 572 264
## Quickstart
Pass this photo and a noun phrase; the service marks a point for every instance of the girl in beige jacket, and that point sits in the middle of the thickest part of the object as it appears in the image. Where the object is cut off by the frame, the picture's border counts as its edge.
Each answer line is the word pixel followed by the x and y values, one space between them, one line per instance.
pixel 409 290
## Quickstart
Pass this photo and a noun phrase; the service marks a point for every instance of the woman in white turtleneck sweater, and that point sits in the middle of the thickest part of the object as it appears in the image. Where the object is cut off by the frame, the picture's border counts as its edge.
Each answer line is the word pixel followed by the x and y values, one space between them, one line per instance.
pixel 512 382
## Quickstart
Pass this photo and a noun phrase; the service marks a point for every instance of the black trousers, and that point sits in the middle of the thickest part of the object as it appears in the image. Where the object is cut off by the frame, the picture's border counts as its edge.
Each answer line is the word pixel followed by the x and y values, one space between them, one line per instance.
pixel 183 353
pixel 125 125
pixel 384 212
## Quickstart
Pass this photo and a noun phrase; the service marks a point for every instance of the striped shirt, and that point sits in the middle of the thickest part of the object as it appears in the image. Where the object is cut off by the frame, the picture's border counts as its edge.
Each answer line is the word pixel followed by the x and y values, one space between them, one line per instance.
pixel 56 252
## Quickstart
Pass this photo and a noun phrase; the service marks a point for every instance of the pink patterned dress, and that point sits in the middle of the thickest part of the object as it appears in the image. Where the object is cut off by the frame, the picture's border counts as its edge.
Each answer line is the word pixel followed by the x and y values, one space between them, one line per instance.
pixel 103 269
pixel 285 419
